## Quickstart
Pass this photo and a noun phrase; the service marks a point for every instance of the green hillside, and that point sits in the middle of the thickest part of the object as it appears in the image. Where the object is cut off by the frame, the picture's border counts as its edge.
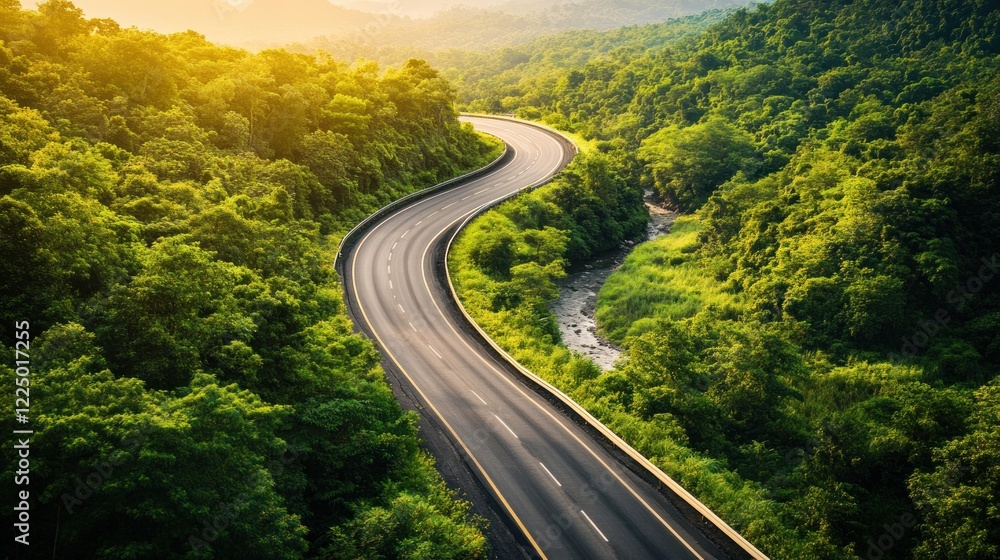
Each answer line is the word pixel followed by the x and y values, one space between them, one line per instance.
pixel 814 350
pixel 169 211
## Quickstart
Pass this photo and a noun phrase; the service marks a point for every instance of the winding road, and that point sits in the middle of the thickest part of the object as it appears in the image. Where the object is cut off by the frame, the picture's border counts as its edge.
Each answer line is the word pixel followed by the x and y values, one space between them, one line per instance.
pixel 552 480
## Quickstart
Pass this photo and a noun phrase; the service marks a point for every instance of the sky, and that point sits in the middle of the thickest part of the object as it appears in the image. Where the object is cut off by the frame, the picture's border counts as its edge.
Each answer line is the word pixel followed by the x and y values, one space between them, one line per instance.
pixel 230 21
pixel 412 8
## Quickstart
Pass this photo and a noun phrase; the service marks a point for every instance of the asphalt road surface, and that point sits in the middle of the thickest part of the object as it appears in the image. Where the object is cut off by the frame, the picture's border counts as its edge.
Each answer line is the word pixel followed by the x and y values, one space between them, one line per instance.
pixel 554 482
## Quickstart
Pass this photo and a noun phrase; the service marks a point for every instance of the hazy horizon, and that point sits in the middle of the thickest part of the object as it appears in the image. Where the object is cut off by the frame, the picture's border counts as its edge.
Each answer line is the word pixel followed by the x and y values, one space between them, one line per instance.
pixel 273 23
pixel 404 8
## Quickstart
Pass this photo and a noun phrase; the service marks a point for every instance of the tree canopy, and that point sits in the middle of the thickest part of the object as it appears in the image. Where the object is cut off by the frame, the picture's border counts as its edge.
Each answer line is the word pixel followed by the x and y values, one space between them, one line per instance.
pixel 813 349
pixel 169 210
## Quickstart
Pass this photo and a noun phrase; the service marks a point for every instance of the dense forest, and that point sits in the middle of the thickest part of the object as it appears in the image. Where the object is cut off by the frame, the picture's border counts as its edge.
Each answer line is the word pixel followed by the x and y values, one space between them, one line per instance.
pixel 349 29
pixel 523 77
pixel 483 78
pixel 813 351
pixel 169 211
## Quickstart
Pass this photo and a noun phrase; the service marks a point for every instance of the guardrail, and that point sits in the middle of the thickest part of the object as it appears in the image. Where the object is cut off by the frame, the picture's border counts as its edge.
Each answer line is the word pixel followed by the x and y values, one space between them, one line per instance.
pixel 350 237
pixel 570 405
pixel 555 394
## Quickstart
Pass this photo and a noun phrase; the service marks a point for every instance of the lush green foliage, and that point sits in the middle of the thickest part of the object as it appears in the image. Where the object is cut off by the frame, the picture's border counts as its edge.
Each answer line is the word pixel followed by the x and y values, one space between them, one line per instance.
pixel 820 338
pixel 539 73
pixel 505 262
pixel 686 164
pixel 198 390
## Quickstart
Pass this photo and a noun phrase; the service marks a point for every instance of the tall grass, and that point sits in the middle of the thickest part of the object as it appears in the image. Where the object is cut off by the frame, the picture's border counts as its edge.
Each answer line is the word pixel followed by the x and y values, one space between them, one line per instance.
pixel 663 279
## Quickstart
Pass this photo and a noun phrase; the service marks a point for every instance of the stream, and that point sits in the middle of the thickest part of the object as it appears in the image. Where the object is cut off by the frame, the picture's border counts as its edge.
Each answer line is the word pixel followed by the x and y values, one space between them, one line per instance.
pixel 578 293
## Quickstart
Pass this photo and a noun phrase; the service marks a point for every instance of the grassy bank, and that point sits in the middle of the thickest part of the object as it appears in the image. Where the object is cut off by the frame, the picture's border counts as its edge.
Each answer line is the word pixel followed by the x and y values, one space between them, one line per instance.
pixel 663 279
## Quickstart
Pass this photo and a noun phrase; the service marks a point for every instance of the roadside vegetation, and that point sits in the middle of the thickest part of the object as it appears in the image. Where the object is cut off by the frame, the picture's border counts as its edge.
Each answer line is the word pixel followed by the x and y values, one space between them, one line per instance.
pixel 505 262
pixel 813 351
pixel 169 211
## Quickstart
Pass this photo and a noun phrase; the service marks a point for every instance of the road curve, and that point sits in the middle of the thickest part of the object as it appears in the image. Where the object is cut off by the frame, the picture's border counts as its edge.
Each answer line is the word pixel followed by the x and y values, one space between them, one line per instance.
pixel 559 486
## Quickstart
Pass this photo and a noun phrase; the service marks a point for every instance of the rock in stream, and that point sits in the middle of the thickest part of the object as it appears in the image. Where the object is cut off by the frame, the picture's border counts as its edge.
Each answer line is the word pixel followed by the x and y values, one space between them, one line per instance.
pixel 578 293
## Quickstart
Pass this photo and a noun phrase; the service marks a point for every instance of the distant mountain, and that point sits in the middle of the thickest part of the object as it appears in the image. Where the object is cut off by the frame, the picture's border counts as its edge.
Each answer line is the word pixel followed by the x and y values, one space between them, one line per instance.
pixel 367 25
pixel 506 24
pixel 411 8
pixel 165 17
pixel 608 14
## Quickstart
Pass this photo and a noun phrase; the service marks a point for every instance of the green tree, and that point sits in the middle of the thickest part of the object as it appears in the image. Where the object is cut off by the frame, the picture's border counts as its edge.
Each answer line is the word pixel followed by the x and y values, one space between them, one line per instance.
pixel 494 249
pixel 410 527
pixel 958 497
pixel 688 164
pixel 174 315
pixel 22 131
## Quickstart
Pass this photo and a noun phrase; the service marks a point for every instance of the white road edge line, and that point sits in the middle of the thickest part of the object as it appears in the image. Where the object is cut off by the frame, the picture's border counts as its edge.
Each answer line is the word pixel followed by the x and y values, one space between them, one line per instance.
pixel 552 475
pixel 506 426
pixel 594 525
pixel 444 421
pixel 537 404
pixel 435 352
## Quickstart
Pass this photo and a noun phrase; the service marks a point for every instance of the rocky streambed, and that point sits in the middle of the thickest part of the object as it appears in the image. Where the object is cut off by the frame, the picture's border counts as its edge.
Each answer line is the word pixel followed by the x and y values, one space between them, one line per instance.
pixel 578 293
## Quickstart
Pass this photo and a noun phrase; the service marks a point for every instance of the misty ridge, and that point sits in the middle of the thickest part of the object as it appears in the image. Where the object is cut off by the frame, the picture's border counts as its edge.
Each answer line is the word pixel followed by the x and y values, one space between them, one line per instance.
pixel 367 24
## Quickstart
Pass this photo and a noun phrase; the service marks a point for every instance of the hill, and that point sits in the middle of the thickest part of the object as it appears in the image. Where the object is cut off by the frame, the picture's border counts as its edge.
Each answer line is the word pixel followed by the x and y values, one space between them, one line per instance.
pixel 169 212
pixel 814 349
pixel 365 28
pixel 481 30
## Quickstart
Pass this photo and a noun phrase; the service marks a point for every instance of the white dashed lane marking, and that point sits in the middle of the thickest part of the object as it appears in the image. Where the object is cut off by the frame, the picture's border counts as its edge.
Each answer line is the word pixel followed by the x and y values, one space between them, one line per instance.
pixel 594 525
pixel 506 426
pixel 550 473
